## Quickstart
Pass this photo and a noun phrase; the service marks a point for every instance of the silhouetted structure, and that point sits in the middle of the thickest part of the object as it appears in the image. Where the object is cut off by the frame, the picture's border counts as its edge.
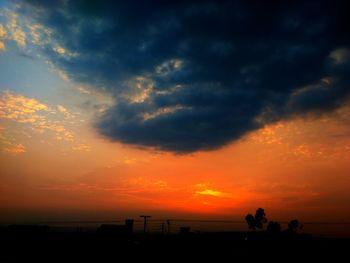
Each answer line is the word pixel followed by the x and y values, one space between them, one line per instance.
pixel 145 222
pixel 111 243
pixel 168 224
pixel 163 228
pixel 28 229
pixel 185 230
pixel 129 224
pixel 115 230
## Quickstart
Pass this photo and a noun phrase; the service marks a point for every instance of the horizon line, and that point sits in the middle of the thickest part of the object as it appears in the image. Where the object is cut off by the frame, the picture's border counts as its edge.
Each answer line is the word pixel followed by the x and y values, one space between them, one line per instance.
pixel 165 219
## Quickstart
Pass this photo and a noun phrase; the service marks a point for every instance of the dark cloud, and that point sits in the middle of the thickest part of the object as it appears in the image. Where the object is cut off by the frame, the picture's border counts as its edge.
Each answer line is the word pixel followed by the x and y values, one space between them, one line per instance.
pixel 207 70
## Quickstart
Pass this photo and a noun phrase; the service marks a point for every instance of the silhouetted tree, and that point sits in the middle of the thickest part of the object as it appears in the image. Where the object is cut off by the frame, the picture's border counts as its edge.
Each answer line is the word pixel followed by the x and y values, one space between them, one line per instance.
pixel 250 221
pixel 273 228
pixel 294 225
pixel 260 218
pixel 256 221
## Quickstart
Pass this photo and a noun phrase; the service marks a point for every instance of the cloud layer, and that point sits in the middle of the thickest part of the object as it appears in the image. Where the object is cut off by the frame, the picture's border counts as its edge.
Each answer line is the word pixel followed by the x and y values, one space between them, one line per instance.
pixel 196 75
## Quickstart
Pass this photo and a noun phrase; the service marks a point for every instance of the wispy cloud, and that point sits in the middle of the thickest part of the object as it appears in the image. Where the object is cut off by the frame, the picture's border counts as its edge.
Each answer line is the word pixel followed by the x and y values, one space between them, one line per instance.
pixel 65 112
pixel 36 117
pixel 2 46
pixel 16 149
pixel 21 109
pixel 16 32
pixel 82 147
pixel 39 34
pixel 17 108
pixel 3 34
pixel 209 192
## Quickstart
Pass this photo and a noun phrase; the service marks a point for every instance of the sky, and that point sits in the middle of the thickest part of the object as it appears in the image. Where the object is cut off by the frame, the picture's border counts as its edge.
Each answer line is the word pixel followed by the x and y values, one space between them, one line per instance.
pixel 178 109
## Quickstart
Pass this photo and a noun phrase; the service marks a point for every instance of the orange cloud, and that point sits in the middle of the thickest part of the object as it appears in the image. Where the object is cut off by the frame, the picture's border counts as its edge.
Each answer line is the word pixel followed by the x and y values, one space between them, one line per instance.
pixel 16 32
pixel 20 109
pixel 3 35
pixel 209 192
pixel 39 34
pixel 64 52
pixel 140 88
pixel 82 147
pixel 59 50
pixel 3 32
pixel 205 189
pixel 2 46
pixel 162 111
pixel 15 150
pixel 65 112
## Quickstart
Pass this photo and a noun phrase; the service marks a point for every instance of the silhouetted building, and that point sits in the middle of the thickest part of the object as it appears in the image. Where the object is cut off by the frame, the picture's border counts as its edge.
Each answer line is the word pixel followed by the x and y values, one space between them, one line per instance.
pixel 117 230
pixel 129 224
pixel 28 229
pixel 145 220
pixel 185 230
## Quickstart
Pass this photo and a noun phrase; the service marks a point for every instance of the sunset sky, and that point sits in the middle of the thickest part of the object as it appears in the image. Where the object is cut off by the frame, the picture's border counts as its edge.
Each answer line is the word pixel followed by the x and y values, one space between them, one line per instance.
pixel 181 109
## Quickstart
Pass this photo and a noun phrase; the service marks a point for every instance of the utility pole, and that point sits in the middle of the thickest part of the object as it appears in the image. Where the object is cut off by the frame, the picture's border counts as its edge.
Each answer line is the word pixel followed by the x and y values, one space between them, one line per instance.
pixel 145 222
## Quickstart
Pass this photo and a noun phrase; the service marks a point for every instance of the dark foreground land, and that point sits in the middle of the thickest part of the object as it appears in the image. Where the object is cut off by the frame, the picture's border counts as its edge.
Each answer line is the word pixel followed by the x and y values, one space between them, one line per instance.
pixel 40 244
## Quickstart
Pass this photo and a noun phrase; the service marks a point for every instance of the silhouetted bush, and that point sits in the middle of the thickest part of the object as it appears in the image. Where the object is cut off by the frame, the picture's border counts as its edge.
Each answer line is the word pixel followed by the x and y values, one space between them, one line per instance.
pixel 273 228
